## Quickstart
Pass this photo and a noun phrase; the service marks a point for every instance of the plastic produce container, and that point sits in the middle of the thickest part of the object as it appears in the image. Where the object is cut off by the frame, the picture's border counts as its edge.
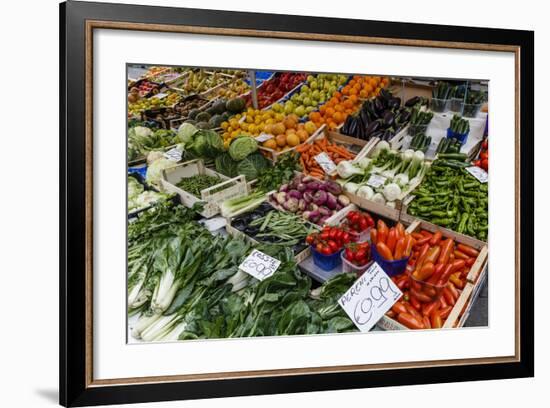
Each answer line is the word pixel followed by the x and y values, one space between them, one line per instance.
pixel 414 130
pixel 348 266
pixel 471 110
pixel 439 105
pixel 425 292
pixel 461 137
pixel 326 262
pixel 392 268
pixel 456 104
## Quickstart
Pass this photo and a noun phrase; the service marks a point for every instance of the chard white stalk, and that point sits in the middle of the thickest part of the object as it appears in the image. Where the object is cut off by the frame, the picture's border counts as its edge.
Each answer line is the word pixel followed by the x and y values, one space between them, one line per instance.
pixel 174 334
pixel 238 280
pixel 164 292
pixel 142 324
pixel 160 327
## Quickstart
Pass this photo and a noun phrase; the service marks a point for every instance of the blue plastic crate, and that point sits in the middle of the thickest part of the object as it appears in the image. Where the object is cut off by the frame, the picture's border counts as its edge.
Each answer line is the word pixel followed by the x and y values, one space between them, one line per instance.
pixel 392 268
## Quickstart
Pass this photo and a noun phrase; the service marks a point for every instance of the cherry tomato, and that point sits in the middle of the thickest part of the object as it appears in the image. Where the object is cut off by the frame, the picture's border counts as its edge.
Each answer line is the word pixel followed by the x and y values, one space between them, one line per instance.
pixel 325 235
pixel 346 238
pixel 319 247
pixel 326 251
pixel 363 224
pixel 485 144
pixel 349 255
pixel 310 239
pixel 361 255
pixel 333 246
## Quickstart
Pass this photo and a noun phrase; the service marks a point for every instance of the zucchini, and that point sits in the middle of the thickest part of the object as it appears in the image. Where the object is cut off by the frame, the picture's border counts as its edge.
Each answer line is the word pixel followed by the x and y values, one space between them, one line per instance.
pixel 453 156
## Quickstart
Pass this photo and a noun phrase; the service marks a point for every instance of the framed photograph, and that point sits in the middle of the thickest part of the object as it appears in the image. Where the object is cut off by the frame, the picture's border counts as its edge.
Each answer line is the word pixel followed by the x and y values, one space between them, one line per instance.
pixel 257 204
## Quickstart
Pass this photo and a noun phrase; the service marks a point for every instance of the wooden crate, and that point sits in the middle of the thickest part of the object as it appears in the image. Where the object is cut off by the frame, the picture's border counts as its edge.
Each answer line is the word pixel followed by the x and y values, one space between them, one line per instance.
pixel 475 278
pixel 211 197
pixel 299 257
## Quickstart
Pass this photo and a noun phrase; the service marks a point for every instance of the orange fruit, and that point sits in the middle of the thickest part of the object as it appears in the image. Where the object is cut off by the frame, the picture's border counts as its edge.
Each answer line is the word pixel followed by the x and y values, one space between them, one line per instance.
pixel 338 117
pixel 353 98
pixel 314 116
pixel 322 109
pixel 302 135
pixel 348 103
pixel 353 91
pixel 352 82
pixel 278 129
pixel 337 95
pixel 329 112
pixel 345 90
pixel 280 140
pixel 289 122
pixel 270 144
pixel 292 139
pixel 338 108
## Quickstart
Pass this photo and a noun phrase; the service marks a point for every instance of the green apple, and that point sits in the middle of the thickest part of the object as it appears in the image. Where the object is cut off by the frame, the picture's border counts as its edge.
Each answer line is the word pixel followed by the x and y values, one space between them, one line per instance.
pixel 277 107
pixel 307 101
pixel 310 78
pixel 313 85
pixel 300 111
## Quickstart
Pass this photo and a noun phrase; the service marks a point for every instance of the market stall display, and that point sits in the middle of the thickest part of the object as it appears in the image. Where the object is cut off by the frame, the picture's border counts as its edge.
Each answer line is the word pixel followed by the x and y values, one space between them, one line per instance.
pixel 328 175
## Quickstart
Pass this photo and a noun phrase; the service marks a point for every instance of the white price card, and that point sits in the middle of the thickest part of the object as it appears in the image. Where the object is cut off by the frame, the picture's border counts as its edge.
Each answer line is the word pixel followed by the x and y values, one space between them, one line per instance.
pixel 259 265
pixel 262 137
pixel 376 180
pixel 481 175
pixel 370 297
pixel 160 95
pixel 325 162
pixel 173 154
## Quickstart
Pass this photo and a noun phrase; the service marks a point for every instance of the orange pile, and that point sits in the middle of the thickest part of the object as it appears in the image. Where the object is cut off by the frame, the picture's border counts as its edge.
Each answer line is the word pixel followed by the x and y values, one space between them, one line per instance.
pixel 345 102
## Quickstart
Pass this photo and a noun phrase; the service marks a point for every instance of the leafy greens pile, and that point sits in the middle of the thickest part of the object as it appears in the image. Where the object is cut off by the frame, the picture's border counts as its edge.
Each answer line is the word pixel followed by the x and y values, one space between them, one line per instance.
pixel 185 284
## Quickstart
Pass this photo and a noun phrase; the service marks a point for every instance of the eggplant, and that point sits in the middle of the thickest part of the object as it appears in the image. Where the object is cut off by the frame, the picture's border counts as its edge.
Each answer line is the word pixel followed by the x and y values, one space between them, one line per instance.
pixel 385 94
pixel 373 127
pixel 388 134
pixel 388 117
pixel 364 116
pixel 379 134
pixel 412 101
pixel 405 116
pixel 347 125
pixel 394 103
pixel 378 106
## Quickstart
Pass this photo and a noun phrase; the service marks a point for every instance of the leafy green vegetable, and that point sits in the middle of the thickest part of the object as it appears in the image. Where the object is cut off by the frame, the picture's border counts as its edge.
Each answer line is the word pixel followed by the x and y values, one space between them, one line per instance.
pixel 241 147
pixel 205 144
pixel 185 133
pixel 226 165
pixel 282 172
pixel 252 165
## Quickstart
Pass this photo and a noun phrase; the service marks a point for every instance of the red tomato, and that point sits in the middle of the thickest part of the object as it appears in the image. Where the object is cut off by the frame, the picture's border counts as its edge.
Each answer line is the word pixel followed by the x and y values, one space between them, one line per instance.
pixel 485 164
pixel 319 247
pixel 326 251
pixel 363 224
pixel 349 255
pixel 333 246
pixel 361 256
pixel 309 239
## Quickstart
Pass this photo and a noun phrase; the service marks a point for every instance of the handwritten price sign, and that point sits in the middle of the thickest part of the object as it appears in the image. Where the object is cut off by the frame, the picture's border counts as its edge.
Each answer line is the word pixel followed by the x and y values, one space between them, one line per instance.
pixel 372 295
pixel 376 180
pixel 325 162
pixel 260 265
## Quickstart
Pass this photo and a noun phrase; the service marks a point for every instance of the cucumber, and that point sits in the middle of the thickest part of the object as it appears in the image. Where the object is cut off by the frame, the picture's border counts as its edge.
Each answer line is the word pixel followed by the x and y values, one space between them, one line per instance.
pixel 453 156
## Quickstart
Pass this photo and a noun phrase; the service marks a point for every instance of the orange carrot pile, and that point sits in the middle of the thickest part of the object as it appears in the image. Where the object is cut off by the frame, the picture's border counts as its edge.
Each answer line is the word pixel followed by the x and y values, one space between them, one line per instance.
pixel 308 151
